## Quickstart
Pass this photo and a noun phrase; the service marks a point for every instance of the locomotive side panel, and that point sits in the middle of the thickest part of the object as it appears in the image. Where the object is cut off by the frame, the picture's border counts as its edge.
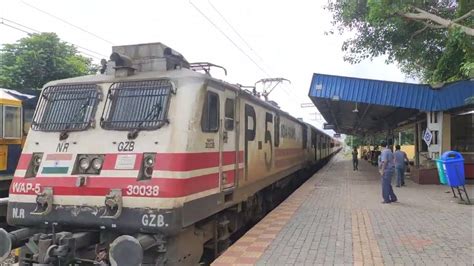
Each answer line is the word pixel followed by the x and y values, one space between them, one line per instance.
pixel 272 143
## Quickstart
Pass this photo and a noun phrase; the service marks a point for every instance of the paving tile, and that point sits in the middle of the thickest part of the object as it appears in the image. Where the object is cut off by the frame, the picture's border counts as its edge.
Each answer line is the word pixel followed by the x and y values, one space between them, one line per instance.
pixel 336 218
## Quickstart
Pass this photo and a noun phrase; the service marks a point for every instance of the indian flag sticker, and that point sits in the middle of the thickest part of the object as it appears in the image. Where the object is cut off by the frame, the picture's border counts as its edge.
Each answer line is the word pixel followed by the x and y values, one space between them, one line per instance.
pixel 56 164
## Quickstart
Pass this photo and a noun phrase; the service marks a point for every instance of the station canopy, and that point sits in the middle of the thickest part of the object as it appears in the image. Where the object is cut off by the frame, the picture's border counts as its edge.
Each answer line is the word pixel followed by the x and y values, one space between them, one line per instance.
pixel 27 97
pixel 358 106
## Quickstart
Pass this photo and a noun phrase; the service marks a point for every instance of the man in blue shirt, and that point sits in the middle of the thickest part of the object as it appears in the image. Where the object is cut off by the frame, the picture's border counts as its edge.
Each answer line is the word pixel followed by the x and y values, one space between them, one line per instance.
pixel 400 159
pixel 387 169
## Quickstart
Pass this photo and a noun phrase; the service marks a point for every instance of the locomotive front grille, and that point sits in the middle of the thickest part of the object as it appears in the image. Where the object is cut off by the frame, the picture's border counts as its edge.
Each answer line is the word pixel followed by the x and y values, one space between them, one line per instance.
pixel 137 105
pixel 66 107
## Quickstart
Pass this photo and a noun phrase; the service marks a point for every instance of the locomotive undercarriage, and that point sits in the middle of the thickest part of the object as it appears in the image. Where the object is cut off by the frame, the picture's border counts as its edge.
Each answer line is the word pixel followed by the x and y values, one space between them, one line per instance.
pixel 46 247
pixel 54 244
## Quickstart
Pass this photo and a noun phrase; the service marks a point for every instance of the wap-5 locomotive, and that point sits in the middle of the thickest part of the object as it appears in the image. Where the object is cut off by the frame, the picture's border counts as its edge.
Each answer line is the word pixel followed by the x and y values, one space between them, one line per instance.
pixel 152 162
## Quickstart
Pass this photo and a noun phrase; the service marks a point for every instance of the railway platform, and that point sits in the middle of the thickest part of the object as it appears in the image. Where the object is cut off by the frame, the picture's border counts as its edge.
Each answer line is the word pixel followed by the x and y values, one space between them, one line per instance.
pixel 337 218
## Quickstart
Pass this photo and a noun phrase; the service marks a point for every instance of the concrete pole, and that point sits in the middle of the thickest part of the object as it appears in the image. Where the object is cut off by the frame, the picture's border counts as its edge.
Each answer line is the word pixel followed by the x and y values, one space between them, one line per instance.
pixel 417 144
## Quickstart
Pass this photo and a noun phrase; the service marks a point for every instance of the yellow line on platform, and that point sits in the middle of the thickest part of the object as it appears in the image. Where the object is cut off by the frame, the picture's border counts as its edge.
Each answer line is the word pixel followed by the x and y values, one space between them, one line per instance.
pixel 365 249
pixel 249 248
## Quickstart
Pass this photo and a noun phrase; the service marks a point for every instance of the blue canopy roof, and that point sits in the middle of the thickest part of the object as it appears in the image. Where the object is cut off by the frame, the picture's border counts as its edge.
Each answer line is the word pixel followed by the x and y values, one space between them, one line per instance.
pixel 387 93
pixel 361 106
pixel 28 97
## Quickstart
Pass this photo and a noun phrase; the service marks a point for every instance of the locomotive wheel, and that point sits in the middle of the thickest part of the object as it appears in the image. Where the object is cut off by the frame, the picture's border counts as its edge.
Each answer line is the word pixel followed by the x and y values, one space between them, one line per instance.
pixel 184 249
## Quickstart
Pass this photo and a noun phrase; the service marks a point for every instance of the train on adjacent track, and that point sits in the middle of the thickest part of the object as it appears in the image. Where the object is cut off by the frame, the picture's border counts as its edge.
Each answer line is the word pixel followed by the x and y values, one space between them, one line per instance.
pixel 16 112
pixel 152 162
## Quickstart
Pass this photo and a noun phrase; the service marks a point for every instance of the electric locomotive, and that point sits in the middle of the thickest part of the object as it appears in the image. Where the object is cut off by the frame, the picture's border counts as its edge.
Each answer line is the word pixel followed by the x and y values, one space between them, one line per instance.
pixel 152 162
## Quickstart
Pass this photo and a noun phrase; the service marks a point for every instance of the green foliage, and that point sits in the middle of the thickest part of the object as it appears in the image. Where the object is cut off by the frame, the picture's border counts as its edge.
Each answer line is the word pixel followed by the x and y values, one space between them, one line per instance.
pixel 407 138
pixel 457 59
pixel 469 100
pixel 33 61
pixel 355 141
pixel 380 28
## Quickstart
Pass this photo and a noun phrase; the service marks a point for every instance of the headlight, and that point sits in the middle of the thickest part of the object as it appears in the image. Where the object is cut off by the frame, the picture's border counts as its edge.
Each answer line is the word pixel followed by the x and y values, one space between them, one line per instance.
pixel 84 163
pixel 34 164
pixel 37 159
pixel 148 171
pixel 35 170
pixel 97 163
pixel 147 165
pixel 149 161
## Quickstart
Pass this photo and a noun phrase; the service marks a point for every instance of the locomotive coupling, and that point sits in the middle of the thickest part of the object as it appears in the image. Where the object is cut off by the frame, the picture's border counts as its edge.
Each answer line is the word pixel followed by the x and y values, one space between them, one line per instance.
pixel 12 240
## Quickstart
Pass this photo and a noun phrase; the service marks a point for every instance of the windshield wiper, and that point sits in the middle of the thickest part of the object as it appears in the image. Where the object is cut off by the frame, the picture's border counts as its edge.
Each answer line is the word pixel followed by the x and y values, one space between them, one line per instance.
pixel 80 113
pixel 152 114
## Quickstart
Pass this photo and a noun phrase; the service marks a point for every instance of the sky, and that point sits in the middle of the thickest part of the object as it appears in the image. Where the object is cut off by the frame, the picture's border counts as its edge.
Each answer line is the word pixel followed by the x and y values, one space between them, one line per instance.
pixel 265 38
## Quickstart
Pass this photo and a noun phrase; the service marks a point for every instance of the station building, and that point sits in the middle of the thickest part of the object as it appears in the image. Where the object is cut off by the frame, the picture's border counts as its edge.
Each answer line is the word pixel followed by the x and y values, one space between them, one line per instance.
pixel 441 118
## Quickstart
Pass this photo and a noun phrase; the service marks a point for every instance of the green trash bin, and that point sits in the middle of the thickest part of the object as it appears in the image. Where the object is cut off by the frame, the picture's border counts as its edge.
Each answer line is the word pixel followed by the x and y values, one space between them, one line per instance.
pixel 442 175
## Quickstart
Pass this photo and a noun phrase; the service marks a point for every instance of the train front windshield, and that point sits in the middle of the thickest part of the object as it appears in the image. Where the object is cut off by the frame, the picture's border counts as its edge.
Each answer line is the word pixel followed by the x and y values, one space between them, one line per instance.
pixel 137 105
pixel 66 108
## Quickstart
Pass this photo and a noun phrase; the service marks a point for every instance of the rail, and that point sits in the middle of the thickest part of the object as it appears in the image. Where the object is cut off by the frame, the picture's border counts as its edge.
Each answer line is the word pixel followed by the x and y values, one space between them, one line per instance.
pixel 3 201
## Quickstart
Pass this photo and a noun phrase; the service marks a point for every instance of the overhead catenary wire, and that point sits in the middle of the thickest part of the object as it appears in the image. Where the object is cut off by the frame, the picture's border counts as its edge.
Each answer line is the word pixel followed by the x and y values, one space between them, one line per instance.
pixel 228 38
pixel 237 46
pixel 67 22
pixel 234 30
pixel 21 25
pixel 2 21
pixel 294 97
pixel 13 27
pixel 29 33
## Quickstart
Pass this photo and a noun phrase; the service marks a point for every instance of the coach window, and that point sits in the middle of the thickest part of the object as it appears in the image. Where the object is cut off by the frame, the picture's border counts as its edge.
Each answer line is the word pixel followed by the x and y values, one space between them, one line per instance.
pixel 11 122
pixel 210 113
pixel 229 114
pixel 313 139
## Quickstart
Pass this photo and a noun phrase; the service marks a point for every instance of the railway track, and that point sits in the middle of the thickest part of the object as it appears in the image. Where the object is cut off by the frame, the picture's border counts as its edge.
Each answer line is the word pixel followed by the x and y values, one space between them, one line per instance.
pixel 5 181
pixel 3 212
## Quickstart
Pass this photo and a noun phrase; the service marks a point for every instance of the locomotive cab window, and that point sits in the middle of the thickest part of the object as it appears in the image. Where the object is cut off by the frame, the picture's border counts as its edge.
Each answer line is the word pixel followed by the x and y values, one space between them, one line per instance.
pixel 66 107
pixel 229 114
pixel 137 105
pixel 210 113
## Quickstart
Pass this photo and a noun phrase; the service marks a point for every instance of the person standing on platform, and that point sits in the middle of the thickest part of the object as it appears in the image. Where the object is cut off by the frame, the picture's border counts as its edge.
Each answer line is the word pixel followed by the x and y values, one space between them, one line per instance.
pixel 400 160
pixel 355 160
pixel 387 169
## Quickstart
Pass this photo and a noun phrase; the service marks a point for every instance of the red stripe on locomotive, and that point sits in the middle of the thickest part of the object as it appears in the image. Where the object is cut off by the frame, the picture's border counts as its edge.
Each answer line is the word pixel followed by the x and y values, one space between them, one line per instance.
pixel 24 161
pixel 164 161
pixel 194 161
pixel 100 186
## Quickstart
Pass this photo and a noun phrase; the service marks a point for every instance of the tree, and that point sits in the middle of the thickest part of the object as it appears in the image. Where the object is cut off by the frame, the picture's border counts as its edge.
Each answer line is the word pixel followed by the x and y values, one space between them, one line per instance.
pixel 355 141
pixel 33 61
pixel 429 39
